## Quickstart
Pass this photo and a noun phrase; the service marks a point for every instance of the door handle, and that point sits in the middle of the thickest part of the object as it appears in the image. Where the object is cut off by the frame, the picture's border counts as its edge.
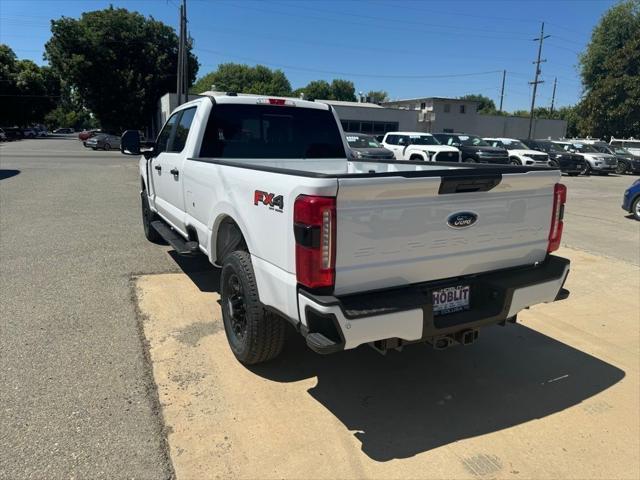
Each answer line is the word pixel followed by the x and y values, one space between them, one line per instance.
pixel 174 171
pixel 158 167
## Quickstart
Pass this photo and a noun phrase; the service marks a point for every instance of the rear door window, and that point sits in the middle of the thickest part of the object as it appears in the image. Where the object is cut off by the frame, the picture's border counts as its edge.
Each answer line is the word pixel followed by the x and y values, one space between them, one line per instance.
pixel 269 131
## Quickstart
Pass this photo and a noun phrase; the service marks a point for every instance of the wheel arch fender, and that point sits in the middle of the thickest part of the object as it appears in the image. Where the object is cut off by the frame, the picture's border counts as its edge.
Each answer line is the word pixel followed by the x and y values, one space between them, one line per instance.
pixel 224 216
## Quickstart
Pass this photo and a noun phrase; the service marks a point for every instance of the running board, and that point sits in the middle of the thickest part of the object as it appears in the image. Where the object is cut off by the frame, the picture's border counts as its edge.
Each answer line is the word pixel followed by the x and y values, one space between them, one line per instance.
pixel 179 244
pixel 321 344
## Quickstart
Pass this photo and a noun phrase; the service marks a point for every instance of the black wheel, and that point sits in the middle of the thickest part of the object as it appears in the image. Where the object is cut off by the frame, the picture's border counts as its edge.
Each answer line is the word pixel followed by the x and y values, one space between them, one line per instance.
pixel 588 170
pixel 553 164
pixel 635 208
pixel 254 334
pixel 573 174
pixel 107 147
pixel 621 167
pixel 469 160
pixel 149 216
pixel 94 148
pixel 515 161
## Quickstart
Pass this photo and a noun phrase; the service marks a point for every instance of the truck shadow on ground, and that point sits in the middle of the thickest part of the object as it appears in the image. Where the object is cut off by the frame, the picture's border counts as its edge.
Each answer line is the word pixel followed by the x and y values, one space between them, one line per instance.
pixel 409 402
pixel 6 173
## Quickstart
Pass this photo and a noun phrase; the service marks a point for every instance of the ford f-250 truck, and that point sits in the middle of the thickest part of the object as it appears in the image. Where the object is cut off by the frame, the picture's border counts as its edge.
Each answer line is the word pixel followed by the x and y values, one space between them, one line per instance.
pixel 351 252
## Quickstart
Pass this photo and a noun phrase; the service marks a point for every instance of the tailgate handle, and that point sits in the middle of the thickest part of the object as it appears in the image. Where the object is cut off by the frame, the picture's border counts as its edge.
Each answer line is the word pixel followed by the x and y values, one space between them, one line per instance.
pixel 468 184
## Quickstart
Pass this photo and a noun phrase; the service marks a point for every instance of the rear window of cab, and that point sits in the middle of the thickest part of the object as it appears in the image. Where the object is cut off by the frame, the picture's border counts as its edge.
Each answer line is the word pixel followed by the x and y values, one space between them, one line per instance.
pixel 267 131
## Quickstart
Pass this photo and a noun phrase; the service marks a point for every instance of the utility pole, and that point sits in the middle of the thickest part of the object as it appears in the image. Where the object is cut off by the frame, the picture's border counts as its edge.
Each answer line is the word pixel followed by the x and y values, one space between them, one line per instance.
pixel 182 73
pixel 504 74
pixel 538 71
pixel 553 97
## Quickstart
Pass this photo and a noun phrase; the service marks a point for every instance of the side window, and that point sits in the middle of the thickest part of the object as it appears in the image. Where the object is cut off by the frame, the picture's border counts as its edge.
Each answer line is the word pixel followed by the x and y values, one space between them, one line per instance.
pixel 402 140
pixel 162 142
pixel 392 139
pixel 182 130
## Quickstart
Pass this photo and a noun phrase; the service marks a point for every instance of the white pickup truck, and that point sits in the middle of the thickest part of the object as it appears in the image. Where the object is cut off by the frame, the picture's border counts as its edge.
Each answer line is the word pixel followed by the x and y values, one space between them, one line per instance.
pixel 350 252
pixel 419 146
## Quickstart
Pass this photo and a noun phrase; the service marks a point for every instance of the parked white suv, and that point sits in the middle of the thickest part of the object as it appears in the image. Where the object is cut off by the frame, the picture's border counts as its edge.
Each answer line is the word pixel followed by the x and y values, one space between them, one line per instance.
pixel 419 146
pixel 631 144
pixel 350 252
pixel 519 153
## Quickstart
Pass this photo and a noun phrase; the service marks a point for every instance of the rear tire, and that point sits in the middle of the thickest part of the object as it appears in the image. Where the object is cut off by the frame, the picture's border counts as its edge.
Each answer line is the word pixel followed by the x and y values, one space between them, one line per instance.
pixel 149 216
pixel 573 174
pixel 469 160
pixel 255 335
pixel 107 147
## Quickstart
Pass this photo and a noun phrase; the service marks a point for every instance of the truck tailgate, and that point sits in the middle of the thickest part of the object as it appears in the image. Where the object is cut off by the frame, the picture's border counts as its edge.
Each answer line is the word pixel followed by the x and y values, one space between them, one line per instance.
pixel 394 231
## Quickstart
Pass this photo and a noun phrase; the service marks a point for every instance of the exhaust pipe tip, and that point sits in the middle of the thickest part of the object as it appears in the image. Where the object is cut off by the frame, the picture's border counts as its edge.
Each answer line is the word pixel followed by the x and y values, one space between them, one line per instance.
pixel 440 343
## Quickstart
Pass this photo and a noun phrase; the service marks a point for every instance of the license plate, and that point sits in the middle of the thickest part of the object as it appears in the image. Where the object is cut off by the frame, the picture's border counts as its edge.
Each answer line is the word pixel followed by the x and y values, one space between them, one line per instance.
pixel 451 299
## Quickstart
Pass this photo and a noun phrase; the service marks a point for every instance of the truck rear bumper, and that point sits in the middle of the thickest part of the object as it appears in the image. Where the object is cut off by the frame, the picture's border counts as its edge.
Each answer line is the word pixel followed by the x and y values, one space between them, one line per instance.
pixel 407 313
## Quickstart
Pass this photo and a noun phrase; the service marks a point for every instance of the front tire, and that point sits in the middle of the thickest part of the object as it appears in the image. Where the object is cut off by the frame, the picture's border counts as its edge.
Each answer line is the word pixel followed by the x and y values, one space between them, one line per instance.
pixel 621 167
pixel 515 161
pixel 635 209
pixel 255 335
pixel 573 174
pixel 469 160
pixel 149 216
pixel 107 147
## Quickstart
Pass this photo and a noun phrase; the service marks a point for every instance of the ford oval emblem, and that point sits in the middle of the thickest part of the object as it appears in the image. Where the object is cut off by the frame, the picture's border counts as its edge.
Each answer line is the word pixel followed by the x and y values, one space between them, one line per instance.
pixel 462 219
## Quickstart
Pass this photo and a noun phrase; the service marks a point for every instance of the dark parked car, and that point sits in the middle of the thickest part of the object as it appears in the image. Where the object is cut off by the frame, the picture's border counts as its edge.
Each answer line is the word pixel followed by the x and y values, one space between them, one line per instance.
pixel 627 161
pixel 63 130
pixel 570 163
pixel 13 133
pixel 366 146
pixel 474 149
pixel 631 200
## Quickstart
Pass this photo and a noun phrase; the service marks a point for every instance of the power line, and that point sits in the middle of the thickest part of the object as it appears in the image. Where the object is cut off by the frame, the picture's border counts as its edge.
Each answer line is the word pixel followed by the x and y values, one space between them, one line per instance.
pixel 349 74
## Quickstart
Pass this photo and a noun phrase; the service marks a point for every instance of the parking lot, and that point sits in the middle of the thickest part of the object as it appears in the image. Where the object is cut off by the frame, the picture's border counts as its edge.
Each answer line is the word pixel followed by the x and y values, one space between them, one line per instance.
pixel 115 362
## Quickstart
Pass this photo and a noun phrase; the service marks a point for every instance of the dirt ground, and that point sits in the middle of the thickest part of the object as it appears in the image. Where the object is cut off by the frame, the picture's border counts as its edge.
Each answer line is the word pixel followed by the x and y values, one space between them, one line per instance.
pixel 554 396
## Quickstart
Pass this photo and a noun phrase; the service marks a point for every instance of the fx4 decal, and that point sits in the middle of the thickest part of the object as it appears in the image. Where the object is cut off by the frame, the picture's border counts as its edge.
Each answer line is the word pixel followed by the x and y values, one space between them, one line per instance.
pixel 273 201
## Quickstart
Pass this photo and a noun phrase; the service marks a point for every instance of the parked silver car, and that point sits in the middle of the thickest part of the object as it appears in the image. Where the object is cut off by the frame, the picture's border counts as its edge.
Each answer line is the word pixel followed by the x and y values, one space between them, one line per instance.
pixel 103 141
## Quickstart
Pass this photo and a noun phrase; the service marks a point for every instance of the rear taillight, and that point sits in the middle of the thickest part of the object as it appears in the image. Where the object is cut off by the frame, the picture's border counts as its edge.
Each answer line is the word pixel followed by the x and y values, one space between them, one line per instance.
pixel 314 225
pixel 557 214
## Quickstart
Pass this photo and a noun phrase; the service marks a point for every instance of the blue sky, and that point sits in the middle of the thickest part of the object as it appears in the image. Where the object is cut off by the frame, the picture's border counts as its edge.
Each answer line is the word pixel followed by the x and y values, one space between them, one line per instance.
pixel 399 46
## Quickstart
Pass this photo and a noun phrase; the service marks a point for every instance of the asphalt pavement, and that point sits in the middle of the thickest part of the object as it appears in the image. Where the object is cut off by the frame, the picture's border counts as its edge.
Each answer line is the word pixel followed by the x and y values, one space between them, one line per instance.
pixel 78 399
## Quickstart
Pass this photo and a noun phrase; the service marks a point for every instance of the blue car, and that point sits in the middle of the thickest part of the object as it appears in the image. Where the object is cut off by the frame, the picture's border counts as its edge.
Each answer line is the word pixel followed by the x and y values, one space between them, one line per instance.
pixel 631 200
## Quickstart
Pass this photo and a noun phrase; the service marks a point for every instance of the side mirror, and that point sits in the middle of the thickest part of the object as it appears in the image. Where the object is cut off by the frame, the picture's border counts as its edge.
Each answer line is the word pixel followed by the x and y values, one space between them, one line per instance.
pixel 130 142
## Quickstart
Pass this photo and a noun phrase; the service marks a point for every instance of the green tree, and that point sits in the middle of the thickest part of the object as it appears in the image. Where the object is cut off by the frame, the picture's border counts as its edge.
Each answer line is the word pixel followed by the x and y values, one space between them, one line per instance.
pixel 234 77
pixel 338 89
pixel 610 69
pixel 377 96
pixel 343 90
pixel 318 89
pixel 118 62
pixel 28 91
pixel 486 105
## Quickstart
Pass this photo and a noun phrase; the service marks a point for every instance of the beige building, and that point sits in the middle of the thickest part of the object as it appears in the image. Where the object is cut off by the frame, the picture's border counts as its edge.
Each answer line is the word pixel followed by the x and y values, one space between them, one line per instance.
pixel 437 114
